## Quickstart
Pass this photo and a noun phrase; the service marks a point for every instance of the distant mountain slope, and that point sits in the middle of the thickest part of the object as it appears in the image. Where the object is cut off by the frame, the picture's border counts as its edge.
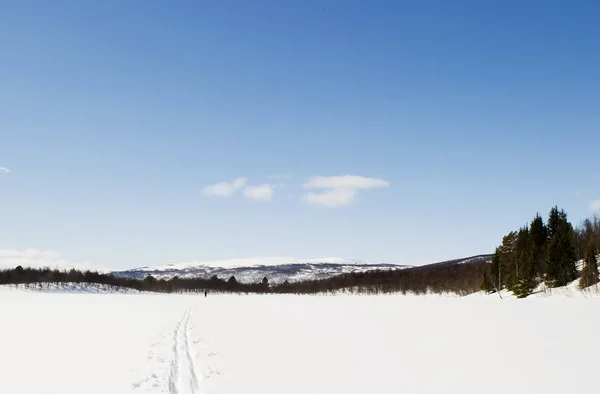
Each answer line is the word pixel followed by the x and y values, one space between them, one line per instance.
pixel 466 260
pixel 277 271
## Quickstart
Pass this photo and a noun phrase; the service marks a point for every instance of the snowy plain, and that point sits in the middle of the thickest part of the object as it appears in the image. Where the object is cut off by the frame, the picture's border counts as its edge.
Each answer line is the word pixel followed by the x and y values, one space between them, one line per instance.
pixel 71 342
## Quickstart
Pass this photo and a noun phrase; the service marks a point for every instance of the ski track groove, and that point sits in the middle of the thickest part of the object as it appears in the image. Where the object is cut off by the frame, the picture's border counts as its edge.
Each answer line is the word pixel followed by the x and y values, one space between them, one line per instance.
pixel 183 377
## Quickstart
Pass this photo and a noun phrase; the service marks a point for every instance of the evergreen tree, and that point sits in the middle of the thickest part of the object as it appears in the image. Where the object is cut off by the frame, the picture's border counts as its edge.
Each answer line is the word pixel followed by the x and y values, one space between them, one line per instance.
pixel 589 274
pixel 561 268
pixel 232 283
pixel 525 261
pixel 539 236
pixel 496 278
pixel 585 235
pixel 553 263
pixel 554 220
pixel 508 260
pixel 486 283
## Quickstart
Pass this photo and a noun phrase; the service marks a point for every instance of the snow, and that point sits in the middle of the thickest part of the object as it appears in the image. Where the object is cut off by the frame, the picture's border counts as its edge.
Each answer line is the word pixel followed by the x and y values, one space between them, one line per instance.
pixel 572 290
pixel 67 342
pixel 249 262
pixel 93 288
pixel 247 271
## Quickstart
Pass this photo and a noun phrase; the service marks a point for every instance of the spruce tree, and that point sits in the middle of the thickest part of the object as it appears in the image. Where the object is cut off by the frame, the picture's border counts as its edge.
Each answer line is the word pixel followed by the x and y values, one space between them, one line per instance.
pixel 552 263
pixel 589 274
pixel 561 268
pixel 496 271
pixel 486 283
pixel 553 222
pixel 525 261
pixel 539 237
pixel 509 261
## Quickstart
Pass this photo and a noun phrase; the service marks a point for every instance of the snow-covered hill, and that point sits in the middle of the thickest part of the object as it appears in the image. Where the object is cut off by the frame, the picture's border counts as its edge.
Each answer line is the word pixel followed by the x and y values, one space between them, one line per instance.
pixel 277 270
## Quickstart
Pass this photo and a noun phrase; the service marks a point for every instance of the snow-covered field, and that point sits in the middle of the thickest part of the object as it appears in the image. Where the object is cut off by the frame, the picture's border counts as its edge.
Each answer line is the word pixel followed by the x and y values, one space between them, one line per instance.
pixel 67 343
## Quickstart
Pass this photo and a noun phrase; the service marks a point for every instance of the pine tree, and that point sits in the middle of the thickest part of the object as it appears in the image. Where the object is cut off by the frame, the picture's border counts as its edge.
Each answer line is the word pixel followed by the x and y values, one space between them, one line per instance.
pixel 589 274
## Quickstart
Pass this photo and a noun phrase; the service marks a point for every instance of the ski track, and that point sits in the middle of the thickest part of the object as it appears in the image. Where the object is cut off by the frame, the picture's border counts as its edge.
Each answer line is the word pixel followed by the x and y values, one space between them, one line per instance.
pixel 183 378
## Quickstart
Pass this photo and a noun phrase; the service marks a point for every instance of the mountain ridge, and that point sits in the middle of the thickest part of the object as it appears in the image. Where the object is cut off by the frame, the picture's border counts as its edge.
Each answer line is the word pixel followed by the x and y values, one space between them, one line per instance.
pixel 292 271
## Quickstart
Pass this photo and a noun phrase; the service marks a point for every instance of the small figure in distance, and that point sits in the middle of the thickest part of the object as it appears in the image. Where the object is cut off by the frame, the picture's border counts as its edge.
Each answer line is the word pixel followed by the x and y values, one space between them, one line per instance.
pixel 205 293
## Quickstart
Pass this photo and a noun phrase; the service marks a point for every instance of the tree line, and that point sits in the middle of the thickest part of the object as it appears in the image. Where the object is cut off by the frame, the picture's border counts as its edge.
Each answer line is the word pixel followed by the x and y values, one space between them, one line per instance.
pixel 458 277
pixel 547 253
pixel 450 277
pixel 20 275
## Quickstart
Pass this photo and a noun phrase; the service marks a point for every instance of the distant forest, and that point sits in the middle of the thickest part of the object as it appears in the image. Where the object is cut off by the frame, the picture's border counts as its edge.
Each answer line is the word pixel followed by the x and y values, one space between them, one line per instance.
pixel 537 253
pixel 454 277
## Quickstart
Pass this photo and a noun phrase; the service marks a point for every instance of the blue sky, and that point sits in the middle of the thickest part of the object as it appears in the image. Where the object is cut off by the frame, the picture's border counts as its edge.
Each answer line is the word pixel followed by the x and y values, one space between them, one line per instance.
pixel 457 120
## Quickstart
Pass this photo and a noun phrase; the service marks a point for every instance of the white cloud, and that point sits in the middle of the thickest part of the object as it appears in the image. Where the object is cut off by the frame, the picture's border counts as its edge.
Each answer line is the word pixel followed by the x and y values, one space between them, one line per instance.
pixel 224 189
pixel 339 191
pixel 595 206
pixel 260 192
pixel 4 170
pixel 35 258
pixel 333 198
pixel 345 182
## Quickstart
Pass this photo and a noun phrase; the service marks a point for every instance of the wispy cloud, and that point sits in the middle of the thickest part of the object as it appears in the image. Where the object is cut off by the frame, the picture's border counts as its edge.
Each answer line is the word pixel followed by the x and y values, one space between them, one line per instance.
pixel 332 198
pixel 595 206
pixel 4 170
pixel 345 182
pixel 35 258
pixel 339 191
pixel 224 189
pixel 260 192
